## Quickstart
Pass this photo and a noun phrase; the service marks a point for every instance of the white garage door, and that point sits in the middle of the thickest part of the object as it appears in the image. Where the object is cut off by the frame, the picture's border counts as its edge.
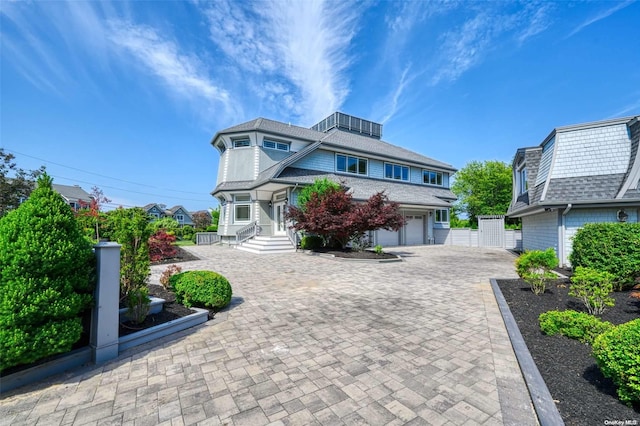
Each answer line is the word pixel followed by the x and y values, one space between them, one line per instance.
pixel 387 238
pixel 415 230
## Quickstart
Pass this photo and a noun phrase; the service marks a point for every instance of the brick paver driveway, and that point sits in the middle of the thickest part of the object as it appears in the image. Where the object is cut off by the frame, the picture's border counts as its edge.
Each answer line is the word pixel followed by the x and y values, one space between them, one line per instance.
pixel 311 340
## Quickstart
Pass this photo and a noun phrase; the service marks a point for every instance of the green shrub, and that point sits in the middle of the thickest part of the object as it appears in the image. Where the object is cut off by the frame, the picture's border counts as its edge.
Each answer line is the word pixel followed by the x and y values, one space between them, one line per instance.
pixel 212 228
pixel 311 242
pixel 609 247
pixel 573 324
pixel 378 249
pixel 319 186
pixel 139 304
pixel 46 278
pixel 616 353
pixel 535 268
pixel 130 228
pixel 201 288
pixel 593 289
pixel 167 224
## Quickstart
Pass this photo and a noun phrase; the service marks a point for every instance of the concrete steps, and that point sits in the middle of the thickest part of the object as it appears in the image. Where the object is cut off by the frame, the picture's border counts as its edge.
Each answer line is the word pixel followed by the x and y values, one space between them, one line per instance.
pixel 267 245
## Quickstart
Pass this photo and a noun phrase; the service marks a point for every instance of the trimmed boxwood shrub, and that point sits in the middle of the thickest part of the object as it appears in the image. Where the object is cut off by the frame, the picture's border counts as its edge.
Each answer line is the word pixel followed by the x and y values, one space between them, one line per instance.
pixel 311 242
pixel 46 278
pixel 609 247
pixel 593 289
pixel 535 268
pixel 575 325
pixel 616 353
pixel 201 288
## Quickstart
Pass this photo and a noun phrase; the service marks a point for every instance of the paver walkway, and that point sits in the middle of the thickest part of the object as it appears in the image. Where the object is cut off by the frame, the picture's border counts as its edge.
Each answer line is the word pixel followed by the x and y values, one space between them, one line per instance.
pixel 312 340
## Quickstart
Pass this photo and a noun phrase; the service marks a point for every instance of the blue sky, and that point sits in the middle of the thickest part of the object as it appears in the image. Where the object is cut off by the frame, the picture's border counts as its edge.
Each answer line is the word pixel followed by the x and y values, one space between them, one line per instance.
pixel 127 95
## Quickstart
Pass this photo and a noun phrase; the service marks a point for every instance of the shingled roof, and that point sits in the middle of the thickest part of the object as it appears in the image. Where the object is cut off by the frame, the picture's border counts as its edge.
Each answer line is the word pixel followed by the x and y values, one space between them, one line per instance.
pixel 586 164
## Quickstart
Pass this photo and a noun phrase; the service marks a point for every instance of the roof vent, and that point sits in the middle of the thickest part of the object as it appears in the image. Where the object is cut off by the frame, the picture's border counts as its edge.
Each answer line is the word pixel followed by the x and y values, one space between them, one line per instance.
pixel 351 124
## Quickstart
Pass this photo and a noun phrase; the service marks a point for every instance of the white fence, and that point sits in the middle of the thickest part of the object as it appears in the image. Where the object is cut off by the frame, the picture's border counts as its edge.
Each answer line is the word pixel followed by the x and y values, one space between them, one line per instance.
pixel 470 238
pixel 207 238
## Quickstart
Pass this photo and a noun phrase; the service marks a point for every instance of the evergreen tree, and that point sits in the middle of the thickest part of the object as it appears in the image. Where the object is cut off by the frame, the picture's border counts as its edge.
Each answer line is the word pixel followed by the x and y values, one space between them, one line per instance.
pixel 46 277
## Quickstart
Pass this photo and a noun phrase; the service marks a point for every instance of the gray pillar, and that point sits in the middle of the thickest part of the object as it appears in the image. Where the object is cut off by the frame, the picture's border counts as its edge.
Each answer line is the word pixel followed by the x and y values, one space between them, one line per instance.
pixel 105 318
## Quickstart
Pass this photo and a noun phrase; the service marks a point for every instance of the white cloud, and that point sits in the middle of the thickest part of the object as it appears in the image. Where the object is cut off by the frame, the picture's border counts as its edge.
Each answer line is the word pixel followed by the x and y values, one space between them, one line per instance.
pixel 600 16
pixel 183 74
pixel 303 46
pixel 394 104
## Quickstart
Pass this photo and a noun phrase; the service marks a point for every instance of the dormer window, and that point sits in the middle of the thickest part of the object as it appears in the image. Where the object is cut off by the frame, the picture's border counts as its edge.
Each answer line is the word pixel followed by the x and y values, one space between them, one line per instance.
pixel 523 185
pixel 241 143
pixel 280 146
pixel 221 147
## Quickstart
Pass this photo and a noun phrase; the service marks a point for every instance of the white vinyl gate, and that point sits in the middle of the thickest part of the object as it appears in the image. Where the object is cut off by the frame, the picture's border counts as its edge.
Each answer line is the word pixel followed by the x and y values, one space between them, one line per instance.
pixel 491 231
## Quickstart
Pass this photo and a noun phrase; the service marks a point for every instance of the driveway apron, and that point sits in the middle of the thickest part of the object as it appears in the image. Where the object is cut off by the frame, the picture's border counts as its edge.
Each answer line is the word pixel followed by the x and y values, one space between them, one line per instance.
pixel 313 340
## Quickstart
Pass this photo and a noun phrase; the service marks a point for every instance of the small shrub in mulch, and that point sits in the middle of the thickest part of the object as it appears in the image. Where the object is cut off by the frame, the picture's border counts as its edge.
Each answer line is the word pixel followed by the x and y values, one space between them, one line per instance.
pixel 583 395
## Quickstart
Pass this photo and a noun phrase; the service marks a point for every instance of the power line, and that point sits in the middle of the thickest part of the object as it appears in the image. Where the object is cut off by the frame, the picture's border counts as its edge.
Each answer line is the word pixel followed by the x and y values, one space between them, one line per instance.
pixel 135 192
pixel 103 176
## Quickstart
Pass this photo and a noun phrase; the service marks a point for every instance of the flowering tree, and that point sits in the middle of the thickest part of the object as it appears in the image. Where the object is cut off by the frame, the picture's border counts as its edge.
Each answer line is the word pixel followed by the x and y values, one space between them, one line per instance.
pixel 335 217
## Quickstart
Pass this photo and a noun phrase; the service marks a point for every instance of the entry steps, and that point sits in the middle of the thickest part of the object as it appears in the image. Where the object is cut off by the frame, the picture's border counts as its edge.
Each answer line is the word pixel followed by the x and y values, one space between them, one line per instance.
pixel 267 245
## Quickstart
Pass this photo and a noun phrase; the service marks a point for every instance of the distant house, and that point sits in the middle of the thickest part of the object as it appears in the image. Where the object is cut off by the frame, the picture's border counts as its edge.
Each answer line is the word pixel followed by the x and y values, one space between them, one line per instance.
pixel 579 174
pixel 179 213
pixel 74 195
pixel 264 164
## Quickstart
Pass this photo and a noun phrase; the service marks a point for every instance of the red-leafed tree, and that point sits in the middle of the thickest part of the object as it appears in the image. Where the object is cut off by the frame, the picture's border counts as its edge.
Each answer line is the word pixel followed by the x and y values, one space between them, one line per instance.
pixel 335 217
pixel 161 246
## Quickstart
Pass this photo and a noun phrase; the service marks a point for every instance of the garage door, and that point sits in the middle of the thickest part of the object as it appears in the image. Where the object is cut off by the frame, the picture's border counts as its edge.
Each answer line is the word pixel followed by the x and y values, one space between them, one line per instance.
pixel 387 238
pixel 415 230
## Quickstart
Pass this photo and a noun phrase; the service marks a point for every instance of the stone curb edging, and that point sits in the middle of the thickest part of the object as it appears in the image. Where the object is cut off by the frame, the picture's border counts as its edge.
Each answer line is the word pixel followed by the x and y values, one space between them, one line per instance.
pixel 347 259
pixel 545 408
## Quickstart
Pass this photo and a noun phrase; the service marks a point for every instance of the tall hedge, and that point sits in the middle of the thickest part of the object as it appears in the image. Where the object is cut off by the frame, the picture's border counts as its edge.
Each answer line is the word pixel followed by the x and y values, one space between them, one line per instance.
pixel 46 277
pixel 609 247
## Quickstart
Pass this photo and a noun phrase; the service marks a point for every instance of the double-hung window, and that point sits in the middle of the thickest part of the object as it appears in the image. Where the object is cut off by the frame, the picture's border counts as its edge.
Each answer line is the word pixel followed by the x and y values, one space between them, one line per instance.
pixel 180 218
pixel 432 178
pixel 241 143
pixel 396 171
pixel 280 146
pixel 241 208
pixel 442 215
pixel 349 164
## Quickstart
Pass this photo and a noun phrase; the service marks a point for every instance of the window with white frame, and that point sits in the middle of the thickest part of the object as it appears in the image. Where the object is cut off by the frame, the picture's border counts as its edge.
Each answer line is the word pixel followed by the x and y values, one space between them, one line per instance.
pixel 396 171
pixel 523 185
pixel 241 143
pixel 280 146
pixel 442 215
pixel 432 178
pixel 179 218
pixel 241 208
pixel 349 164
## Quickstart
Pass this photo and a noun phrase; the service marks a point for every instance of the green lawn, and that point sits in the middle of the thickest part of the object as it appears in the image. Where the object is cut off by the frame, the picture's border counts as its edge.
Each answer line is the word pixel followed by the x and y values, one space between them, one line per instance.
pixel 184 243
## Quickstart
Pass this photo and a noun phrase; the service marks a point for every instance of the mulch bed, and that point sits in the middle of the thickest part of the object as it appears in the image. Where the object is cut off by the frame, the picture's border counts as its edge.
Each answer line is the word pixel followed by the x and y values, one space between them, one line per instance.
pixel 349 254
pixel 582 394
pixel 181 256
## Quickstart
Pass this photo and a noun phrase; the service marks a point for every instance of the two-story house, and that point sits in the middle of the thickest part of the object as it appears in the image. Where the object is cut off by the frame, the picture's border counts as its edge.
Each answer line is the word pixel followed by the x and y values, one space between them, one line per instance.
pixel 264 164
pixel 179 213
pixel 579 174
pixel 74 195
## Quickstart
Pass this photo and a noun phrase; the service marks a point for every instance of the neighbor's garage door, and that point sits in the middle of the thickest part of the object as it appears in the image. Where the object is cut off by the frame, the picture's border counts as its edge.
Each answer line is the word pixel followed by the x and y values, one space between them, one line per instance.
pixel 415 230
pixel 387 238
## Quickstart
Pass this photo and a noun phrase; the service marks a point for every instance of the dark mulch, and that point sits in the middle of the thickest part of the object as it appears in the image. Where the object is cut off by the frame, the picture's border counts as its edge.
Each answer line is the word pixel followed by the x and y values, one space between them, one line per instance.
pixel 172 310
pixel 349 254
pixel 582 394
pixel 181 256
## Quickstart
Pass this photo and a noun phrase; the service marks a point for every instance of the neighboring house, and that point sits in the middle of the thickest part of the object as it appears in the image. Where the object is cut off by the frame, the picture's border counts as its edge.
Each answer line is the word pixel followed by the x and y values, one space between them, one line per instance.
pixel 579 174
pixel 264 164
pixel 179 213
pixel 75 196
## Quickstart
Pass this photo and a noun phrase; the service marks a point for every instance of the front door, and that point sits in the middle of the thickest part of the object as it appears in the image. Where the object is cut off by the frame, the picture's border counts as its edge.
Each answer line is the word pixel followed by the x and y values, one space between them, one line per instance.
pixel 279 226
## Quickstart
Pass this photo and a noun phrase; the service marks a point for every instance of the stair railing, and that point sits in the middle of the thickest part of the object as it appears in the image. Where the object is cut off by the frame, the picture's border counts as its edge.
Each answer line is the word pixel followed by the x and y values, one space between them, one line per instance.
pixel 246 232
